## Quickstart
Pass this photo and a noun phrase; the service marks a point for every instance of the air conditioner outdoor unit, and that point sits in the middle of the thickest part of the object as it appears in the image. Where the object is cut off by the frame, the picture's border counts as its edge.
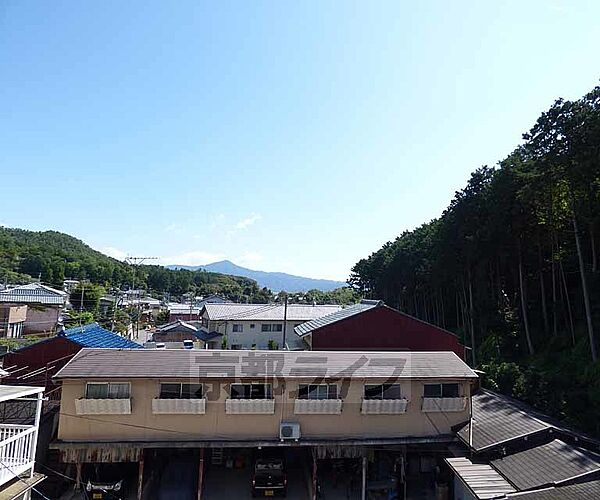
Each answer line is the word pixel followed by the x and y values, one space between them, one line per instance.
pixel 289 431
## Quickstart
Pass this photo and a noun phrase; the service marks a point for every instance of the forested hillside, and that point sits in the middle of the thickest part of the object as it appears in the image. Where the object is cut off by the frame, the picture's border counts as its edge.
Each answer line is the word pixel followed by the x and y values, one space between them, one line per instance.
pixel 51 257
pixel 512 266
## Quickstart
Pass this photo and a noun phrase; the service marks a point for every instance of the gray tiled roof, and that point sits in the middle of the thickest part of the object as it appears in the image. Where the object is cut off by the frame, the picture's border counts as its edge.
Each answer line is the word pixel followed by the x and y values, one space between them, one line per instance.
pixel 583 491
pixel 178 325
pixel 33 293
pixel 144 363
pixel 266 312
pixel 347 312
pixel 481 479
pixel 546 464
pixel 499 419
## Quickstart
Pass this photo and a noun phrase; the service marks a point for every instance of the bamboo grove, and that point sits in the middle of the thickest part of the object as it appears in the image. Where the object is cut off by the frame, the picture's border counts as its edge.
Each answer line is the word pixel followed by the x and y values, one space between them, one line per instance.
pixel 511 266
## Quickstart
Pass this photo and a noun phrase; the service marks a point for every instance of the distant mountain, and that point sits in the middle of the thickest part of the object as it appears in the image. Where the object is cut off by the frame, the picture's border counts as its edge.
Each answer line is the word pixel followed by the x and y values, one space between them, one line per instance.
pixel 273 281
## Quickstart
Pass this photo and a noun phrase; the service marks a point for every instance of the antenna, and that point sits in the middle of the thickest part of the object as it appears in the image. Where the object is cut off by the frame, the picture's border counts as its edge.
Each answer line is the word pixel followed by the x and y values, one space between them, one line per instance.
pixel 135 262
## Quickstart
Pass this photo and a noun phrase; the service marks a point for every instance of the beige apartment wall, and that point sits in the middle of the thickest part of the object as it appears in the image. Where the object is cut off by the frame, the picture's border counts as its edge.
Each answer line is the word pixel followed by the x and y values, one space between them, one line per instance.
pixel 142 424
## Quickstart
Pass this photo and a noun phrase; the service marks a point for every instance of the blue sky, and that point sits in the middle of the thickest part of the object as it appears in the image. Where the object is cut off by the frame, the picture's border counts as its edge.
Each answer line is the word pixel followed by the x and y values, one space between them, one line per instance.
pixel 285 136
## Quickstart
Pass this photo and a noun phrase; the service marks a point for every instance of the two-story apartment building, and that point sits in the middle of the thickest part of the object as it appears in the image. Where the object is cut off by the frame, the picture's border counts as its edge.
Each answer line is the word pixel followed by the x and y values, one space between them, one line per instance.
pixel 118 404
pixel 261 326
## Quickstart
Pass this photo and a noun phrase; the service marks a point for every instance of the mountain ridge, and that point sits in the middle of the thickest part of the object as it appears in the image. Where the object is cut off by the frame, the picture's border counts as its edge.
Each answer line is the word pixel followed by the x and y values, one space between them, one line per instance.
pixel 275 281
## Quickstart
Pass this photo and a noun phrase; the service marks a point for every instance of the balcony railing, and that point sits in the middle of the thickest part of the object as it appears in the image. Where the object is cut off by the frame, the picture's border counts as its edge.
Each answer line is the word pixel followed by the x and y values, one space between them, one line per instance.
pixel 179 406
pixel 250 406
pixel 85 406
pixel 433 405
pixel 383 406
pixel 17 445
pixel 317 406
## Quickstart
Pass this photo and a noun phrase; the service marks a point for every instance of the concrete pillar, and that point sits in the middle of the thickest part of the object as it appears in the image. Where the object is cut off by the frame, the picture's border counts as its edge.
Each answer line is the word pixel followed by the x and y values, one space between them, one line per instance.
pixel 141 476
pixel 364 478
pixel 201 474
pixel 78 475
pixel 315 483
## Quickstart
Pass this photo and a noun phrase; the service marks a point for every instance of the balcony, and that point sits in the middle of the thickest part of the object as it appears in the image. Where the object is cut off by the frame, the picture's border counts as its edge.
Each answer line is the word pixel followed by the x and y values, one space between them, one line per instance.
pixel 383 406
pixel 17 447
pixel 437 405
pixel 85 406
pixel 317 406
pixel 179 406
pixel 250 406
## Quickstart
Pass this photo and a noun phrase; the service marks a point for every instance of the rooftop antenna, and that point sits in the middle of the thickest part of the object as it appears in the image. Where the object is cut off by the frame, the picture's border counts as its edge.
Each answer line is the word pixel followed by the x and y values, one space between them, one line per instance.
pixel 135 262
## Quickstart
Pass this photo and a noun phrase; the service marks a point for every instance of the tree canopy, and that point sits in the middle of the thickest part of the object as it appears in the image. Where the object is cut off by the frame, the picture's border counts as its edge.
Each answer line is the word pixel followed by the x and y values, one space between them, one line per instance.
pixel 511 265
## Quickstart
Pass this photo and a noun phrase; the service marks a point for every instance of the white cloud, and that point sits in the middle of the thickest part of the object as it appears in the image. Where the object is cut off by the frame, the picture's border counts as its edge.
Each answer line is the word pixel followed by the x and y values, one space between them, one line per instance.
pixel 196 258
pixel 248 221
pixel 249 259
pixel 115 253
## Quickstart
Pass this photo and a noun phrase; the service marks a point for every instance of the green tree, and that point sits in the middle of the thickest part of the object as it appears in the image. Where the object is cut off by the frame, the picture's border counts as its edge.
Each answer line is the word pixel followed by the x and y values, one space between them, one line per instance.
pixel 86 297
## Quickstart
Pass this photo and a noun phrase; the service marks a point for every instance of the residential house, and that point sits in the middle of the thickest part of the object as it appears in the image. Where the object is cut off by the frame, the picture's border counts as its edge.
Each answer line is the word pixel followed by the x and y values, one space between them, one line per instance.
pixel 38 362
pixel 44 305
pixel 18 442
pixel 178 331
pixel 12 320
pixel 192 311
pixel 261 326
pixel 69 285
pixel 514 451
pixel 373 326
pixel 184 312
pixel 141 405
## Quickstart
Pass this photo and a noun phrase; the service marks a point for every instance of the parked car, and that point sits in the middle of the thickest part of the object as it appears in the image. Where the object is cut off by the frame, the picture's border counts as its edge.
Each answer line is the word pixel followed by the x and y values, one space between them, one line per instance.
pixel 105 483
pixel 269 478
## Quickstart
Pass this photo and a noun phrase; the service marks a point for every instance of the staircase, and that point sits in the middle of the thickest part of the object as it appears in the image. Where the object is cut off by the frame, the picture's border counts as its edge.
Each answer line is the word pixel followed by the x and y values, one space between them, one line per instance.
pixel 216 457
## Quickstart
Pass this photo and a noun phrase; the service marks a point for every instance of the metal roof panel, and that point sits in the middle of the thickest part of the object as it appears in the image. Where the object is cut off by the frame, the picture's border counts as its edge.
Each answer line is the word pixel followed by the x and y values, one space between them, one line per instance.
pixel 213 363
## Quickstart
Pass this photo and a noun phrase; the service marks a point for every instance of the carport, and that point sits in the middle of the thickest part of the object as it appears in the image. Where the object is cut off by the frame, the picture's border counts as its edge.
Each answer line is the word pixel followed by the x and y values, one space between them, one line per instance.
pixel 223 469
pixel 229 473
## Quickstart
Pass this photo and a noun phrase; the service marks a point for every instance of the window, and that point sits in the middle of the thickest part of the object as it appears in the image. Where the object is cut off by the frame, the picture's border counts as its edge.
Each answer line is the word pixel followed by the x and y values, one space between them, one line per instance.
pixel 180 391
pixel 321 391
pixel 104 390
pixel 238 328
pixel 440 391
pixel 252 325
pixel 271 327
pixel 251 391
pixel 383 391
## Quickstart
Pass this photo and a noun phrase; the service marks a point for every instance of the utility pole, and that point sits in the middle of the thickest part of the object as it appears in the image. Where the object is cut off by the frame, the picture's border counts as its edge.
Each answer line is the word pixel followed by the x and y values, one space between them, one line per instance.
pixel 135 262
pixel 285 304
pixel 116 305
pixel 81 303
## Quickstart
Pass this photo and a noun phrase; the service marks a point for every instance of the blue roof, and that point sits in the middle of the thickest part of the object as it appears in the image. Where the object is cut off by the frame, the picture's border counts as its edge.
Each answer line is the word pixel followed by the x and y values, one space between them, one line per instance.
pixel 93 335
